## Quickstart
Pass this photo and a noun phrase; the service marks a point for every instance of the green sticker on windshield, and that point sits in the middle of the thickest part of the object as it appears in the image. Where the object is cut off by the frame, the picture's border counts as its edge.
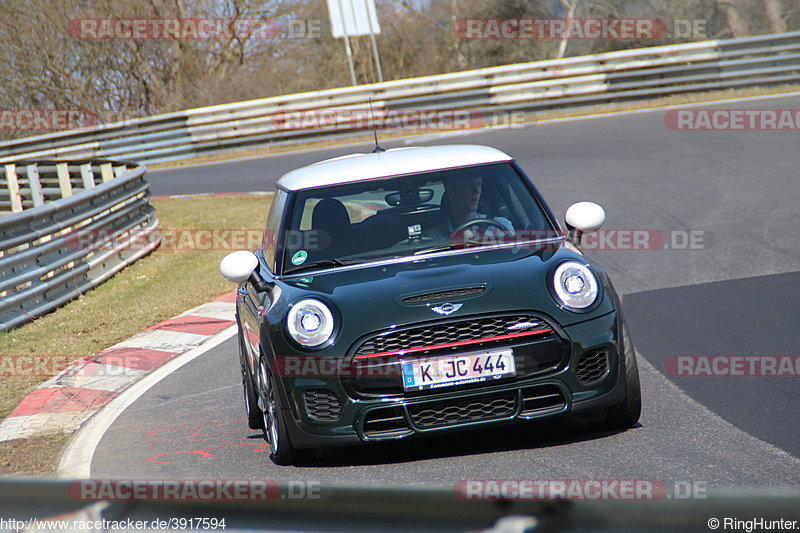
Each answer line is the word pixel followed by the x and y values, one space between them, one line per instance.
pixel 300 257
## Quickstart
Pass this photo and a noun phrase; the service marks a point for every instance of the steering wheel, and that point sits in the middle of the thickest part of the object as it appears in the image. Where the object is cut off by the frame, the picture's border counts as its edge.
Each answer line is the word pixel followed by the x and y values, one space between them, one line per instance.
pixel 484 221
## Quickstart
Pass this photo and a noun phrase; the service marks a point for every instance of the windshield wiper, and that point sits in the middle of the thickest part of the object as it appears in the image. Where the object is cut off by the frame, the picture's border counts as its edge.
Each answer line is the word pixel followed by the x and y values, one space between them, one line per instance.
pixel 443 248
pixel 322 263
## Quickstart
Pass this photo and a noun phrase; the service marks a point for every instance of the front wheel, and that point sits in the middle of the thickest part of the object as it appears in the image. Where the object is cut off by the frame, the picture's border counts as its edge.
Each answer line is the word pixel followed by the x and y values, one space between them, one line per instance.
pixel 626 413
pixel 281 450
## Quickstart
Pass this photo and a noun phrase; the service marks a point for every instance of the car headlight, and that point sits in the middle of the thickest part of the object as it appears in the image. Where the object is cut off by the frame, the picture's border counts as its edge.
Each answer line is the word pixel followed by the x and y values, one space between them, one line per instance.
pixel 310 322
pixel 575 285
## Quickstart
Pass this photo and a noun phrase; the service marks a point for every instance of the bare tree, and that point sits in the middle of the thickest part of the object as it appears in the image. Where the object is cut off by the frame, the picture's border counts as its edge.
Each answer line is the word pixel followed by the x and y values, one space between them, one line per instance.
pixel 736 23
pixel 775 14
pixel 45 66
pixel 569 6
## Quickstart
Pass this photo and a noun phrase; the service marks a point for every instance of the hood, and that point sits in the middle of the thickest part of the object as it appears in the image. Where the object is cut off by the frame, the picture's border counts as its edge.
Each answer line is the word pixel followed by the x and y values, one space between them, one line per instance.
pixel 373 298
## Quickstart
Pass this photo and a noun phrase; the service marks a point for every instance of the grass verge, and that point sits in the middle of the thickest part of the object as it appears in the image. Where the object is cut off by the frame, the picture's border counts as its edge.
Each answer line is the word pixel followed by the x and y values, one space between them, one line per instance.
pixel 174 278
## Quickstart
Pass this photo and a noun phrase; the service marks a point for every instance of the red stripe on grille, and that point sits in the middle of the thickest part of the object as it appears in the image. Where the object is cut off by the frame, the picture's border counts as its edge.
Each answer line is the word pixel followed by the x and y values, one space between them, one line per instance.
pixel 454 344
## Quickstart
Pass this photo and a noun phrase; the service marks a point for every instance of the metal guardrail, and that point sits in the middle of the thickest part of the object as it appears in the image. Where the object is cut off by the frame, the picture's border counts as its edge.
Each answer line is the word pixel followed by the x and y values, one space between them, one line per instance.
pixel 87 220
pixel 338 507
pixel 541 85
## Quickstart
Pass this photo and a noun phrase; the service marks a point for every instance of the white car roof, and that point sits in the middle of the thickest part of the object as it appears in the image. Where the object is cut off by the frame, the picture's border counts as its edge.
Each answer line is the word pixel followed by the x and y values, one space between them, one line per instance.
pixel 393 162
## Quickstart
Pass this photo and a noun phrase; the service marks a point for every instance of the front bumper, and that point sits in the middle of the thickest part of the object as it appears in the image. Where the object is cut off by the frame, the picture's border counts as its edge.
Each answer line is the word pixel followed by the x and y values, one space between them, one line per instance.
pixel 358 419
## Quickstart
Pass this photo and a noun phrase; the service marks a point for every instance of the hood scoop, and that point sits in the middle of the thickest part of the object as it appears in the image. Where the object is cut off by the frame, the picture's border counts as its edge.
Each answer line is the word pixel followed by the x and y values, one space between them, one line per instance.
pixel 448 294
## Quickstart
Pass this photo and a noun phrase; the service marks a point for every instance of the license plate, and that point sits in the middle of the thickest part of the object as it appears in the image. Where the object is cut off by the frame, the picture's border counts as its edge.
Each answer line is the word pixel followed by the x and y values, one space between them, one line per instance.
pixel 449 371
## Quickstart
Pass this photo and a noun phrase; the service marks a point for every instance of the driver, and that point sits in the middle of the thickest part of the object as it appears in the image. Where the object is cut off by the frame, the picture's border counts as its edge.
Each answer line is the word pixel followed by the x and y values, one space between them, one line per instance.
pixel 463 196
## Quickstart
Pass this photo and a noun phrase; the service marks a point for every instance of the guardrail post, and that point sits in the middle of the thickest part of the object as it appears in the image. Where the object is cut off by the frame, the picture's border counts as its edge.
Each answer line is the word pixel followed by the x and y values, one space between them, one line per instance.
pixel 88 176
pixel 62 169
pixel 13 188
pixel 107 172
pixel 35 184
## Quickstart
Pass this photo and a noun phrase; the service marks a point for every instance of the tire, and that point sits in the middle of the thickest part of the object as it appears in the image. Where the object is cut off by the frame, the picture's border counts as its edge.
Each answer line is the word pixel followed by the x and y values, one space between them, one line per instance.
pixel 254 418
pixel 626 413
pixel 282 452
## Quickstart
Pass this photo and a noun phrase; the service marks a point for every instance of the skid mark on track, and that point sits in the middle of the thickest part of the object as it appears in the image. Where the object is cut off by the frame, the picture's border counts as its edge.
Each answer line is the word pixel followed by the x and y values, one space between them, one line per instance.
pixel 206 454
pixel 181 441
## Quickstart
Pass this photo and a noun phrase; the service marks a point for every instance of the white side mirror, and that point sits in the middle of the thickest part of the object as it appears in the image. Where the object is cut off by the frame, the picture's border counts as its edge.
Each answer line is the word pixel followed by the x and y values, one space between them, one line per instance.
pixel 585 216
pixel 237 267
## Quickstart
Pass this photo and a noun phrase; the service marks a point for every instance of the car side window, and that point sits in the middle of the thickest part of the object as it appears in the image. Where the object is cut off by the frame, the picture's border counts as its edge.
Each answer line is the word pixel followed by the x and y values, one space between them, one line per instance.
pixel 270 239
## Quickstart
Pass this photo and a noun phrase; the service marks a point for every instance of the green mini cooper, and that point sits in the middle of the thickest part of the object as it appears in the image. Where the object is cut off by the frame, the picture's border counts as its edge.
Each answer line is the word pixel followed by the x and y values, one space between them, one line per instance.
pixel 421 290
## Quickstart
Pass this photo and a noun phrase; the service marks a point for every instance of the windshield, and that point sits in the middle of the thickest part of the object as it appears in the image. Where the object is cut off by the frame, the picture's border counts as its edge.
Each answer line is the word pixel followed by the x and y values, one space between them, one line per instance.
pixel 396 217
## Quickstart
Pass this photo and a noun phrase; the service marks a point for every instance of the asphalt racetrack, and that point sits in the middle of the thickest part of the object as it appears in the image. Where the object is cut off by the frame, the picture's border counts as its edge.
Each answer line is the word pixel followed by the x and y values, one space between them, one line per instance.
pixel 720 277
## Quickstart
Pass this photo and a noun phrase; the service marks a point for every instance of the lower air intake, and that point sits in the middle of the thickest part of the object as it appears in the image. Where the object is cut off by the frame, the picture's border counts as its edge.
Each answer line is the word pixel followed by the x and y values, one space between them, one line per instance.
pixel 473 409
pixel 592 366
pixel 322 405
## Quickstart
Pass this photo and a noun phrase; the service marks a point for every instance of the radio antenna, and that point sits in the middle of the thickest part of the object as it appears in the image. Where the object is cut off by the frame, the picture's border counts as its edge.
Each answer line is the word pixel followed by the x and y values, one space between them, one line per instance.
pixel 377 148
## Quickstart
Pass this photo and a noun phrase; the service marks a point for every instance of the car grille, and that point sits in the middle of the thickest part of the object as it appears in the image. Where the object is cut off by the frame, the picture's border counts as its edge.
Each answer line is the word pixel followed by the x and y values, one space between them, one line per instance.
pixel 447 332
pixel 322 404
pixel 592 366
pixel 443 295
pixel 533 354
pixel 474 409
